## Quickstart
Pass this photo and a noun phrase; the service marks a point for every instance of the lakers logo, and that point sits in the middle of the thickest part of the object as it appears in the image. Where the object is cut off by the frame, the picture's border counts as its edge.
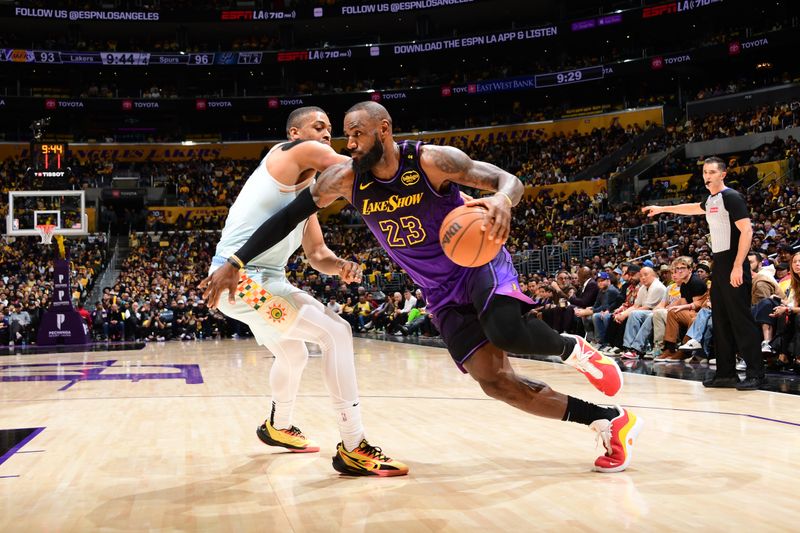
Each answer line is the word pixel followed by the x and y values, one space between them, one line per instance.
pixel 410 177
pixel 277 313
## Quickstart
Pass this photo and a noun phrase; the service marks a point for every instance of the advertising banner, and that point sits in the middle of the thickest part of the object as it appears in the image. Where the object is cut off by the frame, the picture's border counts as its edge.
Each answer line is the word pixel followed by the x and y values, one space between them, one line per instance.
pixel 61 324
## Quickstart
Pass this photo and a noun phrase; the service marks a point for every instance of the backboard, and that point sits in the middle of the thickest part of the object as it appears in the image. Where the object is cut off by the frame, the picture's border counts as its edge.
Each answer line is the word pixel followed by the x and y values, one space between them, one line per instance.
pixel 64 209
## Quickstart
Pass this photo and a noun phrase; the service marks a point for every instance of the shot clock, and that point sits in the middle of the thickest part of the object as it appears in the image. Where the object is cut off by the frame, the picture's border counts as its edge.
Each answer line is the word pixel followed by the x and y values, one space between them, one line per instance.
pixel 48 156
pixel 49 168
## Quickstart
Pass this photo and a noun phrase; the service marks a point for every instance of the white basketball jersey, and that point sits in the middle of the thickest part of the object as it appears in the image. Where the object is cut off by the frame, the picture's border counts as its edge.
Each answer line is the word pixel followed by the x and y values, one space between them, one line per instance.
pixel 261 197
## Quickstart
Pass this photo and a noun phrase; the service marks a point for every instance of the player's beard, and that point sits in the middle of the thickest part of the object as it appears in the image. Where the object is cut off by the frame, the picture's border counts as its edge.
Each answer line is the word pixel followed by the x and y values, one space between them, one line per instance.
pixel 370 159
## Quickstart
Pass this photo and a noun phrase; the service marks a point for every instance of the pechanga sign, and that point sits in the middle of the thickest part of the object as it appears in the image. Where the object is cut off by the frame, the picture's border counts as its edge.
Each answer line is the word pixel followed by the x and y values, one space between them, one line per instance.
pixel 61 324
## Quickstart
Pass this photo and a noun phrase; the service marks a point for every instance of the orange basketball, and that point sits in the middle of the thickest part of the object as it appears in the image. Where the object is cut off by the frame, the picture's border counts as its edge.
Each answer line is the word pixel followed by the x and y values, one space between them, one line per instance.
pixel 462 239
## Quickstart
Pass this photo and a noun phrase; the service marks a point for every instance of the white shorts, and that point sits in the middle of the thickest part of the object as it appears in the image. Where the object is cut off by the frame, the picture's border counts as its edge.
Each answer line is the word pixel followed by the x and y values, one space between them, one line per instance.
pixel 266 331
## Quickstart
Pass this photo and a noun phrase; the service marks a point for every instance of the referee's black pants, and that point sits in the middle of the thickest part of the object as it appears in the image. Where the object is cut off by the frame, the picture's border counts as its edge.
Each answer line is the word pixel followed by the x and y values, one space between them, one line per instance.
pixel 734 327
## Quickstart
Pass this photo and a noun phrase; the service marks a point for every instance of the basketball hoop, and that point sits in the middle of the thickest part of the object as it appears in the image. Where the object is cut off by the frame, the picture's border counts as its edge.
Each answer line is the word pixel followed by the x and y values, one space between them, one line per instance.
pixel 46 232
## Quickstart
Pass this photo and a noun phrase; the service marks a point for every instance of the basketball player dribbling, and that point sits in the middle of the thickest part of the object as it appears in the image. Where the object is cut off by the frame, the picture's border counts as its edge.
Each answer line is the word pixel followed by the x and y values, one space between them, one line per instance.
pixel 404 191
pixel 293 316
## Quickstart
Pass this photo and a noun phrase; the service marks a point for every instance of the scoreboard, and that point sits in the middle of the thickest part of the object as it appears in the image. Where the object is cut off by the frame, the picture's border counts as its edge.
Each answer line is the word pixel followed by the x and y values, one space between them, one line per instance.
pixel 48 163
pixel 48 156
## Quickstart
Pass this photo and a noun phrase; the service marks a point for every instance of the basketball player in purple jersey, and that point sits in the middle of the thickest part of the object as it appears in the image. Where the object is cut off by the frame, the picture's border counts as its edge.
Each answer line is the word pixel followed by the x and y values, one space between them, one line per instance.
pixel 404 191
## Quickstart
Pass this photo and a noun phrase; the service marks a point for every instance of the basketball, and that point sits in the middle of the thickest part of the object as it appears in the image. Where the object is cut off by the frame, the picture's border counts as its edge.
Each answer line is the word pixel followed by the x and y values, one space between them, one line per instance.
pixel 462 239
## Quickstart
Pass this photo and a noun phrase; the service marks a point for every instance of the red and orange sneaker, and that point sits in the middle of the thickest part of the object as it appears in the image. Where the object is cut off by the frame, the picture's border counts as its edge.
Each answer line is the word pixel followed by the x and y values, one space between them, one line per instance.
pixel 366 460
pixel 618 436
pixel 600 370
pixel 292 438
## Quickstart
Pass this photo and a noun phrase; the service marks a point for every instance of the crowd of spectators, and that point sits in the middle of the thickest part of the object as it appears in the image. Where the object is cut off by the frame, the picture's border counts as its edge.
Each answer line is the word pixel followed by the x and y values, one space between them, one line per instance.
pixel 155 296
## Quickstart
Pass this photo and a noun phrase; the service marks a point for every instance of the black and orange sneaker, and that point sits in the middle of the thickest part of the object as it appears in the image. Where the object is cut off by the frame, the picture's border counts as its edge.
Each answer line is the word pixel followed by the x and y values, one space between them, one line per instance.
pixel 292 438
pixel 599 369
pixel 618 437
pixel 366 460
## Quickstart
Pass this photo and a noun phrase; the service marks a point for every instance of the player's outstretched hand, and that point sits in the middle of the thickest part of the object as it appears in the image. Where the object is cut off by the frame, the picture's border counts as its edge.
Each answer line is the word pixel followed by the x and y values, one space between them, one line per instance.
pixel 350 272
pixel 497 220
pixel 652 210
pixel 225 278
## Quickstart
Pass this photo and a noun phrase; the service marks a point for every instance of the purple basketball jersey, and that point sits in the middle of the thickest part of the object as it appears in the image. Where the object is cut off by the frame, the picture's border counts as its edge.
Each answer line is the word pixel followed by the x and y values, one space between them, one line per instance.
pixel 405 214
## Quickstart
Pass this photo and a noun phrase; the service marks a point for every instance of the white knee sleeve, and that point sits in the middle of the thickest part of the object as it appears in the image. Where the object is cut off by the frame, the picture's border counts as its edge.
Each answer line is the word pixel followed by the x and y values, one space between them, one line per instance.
pixel 333 335
pixel 317 324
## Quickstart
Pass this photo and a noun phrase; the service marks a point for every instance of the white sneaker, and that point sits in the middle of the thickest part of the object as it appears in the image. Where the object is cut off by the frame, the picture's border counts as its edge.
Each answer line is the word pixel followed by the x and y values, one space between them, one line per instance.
pixel 691 345
pixel 765 347
pixel 740 364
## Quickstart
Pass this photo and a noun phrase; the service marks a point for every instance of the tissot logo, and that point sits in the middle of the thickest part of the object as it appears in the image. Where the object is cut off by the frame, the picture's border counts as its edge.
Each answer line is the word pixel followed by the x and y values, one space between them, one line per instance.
pixel 50 104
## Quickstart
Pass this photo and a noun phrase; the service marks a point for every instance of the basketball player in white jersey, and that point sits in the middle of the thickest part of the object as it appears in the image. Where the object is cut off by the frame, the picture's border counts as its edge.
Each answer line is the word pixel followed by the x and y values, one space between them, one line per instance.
pixel 283 317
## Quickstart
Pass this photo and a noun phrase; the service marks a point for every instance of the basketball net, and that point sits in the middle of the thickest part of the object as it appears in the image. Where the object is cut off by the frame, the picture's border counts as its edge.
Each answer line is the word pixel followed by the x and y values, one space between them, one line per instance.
pixel 46 232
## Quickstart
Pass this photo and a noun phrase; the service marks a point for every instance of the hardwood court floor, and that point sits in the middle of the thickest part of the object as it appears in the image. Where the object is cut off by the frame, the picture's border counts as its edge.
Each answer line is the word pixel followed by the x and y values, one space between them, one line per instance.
pixel 122 452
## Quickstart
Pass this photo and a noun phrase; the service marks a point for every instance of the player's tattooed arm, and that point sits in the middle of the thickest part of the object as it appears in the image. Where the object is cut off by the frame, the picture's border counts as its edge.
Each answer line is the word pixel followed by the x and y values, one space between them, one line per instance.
pixel 451 164
pixel 333 183
pixel 445 164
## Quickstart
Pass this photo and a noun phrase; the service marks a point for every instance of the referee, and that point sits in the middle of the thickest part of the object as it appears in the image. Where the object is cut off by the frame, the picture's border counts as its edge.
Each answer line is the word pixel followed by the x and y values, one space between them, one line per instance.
pixel 731 235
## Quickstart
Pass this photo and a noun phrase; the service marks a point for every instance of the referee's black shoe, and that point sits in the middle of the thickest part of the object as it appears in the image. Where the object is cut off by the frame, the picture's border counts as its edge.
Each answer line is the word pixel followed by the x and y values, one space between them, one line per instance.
pixel 751 383
pixel 722 383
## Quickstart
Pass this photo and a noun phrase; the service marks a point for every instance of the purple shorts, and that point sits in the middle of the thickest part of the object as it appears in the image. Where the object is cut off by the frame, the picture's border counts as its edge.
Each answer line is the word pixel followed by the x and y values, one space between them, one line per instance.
pixel 457 308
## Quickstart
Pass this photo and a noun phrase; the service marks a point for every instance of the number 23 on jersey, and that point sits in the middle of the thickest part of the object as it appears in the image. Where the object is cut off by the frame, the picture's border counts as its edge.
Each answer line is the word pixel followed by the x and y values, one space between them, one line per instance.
pixel 407 231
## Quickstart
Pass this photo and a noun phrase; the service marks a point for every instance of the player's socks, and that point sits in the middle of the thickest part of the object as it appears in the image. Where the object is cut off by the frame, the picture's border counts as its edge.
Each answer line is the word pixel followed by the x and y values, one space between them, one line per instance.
pixel 281 415
pixel 586 413
pixel 350 425
pixel 569 347
pixel 366 460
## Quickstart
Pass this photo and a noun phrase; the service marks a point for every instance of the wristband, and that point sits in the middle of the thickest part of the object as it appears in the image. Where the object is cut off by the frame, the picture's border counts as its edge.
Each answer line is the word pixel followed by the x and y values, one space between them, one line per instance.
pixel 236 262
pixel 510 203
